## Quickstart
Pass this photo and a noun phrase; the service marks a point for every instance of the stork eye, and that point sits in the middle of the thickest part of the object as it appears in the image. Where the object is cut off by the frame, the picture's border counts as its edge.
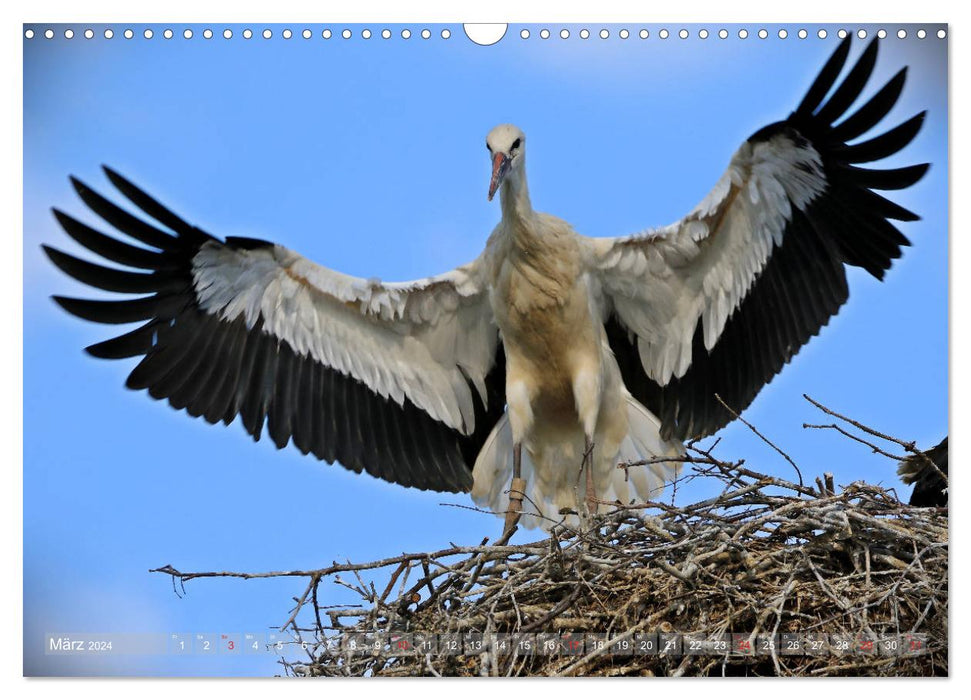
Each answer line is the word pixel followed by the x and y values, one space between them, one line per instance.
pixel 515 144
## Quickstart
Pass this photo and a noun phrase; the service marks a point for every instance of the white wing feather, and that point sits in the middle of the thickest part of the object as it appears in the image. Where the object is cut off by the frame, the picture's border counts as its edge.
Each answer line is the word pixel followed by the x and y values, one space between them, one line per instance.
pixel 422 340
pixel 661 282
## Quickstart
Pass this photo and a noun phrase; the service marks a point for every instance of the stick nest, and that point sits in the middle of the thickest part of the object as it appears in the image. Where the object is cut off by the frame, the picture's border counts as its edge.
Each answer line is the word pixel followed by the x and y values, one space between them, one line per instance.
pixel 767 556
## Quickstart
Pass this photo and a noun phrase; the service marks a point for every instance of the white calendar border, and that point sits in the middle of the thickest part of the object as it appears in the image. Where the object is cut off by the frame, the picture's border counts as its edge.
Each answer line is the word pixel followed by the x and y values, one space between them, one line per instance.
pixel 432 11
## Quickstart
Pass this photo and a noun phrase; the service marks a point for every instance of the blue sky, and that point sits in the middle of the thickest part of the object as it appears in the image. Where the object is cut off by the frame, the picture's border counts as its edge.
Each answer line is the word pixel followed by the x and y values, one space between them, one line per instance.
pixel 367 156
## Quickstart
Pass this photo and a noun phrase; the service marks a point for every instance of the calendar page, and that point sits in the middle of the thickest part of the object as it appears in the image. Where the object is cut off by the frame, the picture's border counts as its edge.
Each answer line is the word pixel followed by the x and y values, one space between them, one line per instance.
pixel 323 377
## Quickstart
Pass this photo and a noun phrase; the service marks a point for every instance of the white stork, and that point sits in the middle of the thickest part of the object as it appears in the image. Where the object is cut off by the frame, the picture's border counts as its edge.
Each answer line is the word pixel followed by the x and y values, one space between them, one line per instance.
pixel 549 353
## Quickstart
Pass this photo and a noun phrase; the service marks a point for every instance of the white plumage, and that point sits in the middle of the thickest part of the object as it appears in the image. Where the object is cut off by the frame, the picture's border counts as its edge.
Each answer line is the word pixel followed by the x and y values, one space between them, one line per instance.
pixel 565 350
pixel 418 339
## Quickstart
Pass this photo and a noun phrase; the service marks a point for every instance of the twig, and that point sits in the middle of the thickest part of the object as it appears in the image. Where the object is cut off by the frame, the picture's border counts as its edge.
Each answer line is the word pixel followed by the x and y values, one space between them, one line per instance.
pixel 764 439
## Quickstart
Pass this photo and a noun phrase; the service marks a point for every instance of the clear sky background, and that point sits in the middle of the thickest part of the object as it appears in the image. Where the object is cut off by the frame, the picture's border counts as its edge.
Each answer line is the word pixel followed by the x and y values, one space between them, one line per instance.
pixel 368 156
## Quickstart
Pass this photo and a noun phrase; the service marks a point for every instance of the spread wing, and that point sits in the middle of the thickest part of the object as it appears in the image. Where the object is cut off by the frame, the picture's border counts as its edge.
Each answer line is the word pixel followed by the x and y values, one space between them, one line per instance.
pixel 719 301
pixel 403 381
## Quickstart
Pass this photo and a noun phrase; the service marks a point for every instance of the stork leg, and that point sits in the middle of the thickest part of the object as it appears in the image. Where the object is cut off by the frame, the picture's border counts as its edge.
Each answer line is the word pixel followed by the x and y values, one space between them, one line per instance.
pixel 587 468
pixel 516 490
pixel 587 392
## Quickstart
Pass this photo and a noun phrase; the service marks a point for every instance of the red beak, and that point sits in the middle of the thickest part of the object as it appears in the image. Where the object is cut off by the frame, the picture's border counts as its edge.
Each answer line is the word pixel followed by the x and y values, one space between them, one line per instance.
pixel 500 166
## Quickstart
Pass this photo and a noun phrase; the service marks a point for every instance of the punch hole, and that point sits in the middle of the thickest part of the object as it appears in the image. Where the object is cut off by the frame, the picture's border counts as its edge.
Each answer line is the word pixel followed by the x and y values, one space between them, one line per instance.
pixel 366 34
pixel 841 33
pixel 941 34
pixel 187 34
pixel 743 33
pixel 802 34
pixel 207 34
pixel 89 34
pixel 545 34
pixel 346 34
pixel 524 34
pixel 168 34
pixel 702 33
pixel 326 34
pixel 405 33
pixel 68 33
pixel 29 34
pixel 722 33
pixel 821 33
pixel 605 34
pixel 287 34
pixel 763 34
pixel 247 33
pixel 109 33
pixel 584 34
pixel 488 34
pixel 683 34
pixel 446 33
pixel 385 33
pixel 267 34
pixel 901 33
pixel 882 33
pixel 227 34
pixel 49 34
pixel 624 33
pixel 148 33
pixel 783 34
pixel 564 33
pixel 306 34
pixel 861 33
pixel 643 34
pixel 663 34
pixel 921 34
pixel 426 34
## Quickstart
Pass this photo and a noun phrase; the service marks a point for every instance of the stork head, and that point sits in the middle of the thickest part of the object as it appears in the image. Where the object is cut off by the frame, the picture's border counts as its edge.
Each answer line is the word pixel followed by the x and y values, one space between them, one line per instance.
pixel 507 150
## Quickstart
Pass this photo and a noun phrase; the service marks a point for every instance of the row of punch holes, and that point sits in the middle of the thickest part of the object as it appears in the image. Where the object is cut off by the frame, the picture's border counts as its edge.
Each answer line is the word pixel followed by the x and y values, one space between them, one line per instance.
pixel 447 33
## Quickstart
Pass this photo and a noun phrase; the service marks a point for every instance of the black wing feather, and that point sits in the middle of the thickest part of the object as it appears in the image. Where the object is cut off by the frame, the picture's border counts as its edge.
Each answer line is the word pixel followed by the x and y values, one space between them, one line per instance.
pixel 850 88
pixel 136 342
pixel 871 113
pixel 825 80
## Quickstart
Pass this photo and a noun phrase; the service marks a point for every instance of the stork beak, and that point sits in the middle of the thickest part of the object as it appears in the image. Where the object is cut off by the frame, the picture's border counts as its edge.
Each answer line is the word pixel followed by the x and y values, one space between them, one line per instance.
pixel 500 166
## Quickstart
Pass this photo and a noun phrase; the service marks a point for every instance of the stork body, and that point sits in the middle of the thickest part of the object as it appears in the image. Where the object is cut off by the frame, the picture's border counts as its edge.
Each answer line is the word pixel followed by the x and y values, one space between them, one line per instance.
pixel 548 352
pixel 566 402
